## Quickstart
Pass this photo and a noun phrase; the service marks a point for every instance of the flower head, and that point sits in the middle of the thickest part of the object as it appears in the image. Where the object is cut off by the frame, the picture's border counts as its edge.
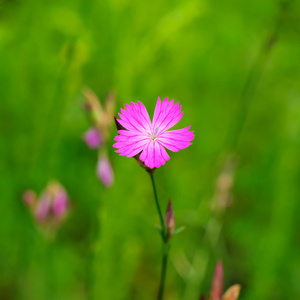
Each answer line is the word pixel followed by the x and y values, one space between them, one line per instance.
pixel 149 139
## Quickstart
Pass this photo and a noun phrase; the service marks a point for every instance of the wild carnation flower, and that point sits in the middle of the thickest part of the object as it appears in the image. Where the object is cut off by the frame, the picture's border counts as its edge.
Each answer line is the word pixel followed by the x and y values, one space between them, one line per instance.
pixel 151 138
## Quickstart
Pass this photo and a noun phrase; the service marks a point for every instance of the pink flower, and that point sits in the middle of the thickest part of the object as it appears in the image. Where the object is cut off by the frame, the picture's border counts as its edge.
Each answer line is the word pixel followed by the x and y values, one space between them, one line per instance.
pixel 53 204
pixel 151 138
pixel 105 171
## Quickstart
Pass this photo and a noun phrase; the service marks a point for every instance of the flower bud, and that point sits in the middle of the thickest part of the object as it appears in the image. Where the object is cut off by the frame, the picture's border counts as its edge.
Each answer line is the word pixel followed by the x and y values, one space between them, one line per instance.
pixel 105 171
pixel 170 220
pixel 232 293
pixel 93 138
pixel 217 283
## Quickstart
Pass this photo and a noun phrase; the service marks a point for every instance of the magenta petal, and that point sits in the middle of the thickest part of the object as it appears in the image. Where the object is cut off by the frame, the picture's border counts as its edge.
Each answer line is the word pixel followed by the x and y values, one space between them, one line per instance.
pixel 135 117
pixel 130 143
pixel 154 155
pixel 176 140
pixel 161 155
pixel 166 115
pixel 132 149
pixel 157 111
pixel 144 154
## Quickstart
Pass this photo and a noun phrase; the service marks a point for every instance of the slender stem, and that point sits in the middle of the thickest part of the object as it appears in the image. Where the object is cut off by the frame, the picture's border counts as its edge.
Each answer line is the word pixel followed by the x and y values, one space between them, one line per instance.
pixel 161 218
pixel 166 245
pixel 163 272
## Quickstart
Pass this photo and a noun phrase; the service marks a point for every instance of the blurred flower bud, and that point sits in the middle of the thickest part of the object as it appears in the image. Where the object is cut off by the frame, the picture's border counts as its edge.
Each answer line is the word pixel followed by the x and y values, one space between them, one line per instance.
pixel 93 138
pixel 217 283
pixel 232 293
pixel 170 220
pixel 105 171
pixel 217 287
pixel 29 198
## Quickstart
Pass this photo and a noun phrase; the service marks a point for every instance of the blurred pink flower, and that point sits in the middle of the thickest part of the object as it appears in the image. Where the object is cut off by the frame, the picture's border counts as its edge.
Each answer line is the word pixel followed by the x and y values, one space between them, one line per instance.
pixel 105 171
pixel 53 204
pixel 93 138
pixel 151 138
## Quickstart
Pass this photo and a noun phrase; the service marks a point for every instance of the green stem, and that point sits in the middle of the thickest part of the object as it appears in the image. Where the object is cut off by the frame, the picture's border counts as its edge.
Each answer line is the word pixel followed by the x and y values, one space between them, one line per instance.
pixel 161 218
pixel 165 244
pixel 163 272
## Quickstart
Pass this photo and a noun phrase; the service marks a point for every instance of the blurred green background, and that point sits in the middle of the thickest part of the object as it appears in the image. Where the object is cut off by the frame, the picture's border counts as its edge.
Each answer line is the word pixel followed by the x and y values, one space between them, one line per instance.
pixel 235 68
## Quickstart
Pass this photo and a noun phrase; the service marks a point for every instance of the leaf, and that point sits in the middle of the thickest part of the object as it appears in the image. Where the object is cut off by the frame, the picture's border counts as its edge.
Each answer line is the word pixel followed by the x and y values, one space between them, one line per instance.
pixel 160 232
pixel 178 230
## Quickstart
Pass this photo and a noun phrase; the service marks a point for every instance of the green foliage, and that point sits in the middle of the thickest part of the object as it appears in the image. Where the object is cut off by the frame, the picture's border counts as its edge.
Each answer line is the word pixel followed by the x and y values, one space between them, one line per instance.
pixel 233 65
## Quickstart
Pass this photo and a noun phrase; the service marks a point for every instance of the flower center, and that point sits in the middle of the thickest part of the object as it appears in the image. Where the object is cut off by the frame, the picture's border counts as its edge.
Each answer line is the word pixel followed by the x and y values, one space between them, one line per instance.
pixel 153 135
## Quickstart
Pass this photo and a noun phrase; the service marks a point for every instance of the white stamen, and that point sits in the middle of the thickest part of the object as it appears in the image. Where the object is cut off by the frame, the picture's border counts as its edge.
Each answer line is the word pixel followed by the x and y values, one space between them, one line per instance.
pixel 153 137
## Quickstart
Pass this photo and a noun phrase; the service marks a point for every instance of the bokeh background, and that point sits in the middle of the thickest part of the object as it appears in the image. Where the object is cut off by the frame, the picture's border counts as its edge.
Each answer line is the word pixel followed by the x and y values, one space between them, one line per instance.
pixel 235 68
